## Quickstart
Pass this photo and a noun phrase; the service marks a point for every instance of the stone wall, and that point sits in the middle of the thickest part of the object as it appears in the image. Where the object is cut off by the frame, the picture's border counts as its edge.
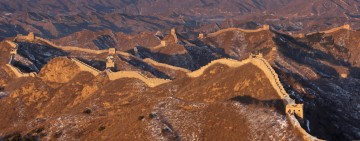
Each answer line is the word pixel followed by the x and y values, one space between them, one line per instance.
pixel 346 27
pixel 265 27
pixel 275 82
pixel 154 63
pixel 85 67
pixel 151 82
pixel 19 73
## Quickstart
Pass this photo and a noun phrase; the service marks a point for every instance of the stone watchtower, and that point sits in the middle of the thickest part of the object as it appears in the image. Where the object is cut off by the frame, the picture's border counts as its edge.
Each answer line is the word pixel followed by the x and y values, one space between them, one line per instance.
pixel 173 33
pixel 163 43
pixel 347 26
pixel 301 35
pixel 13 51
pixel 110 64
pixel 266 27
pixel 260 55
pixel 31 37
pixel 295 109
pixel 112 51
pixel 201 36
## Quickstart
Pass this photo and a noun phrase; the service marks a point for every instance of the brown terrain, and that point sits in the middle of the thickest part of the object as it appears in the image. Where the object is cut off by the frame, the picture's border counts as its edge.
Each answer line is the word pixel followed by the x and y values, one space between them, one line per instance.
pixel 68 104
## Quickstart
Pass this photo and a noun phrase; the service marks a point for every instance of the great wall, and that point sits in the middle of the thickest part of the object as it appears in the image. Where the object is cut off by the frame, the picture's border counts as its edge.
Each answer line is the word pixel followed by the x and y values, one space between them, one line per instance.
pixel 264 28
pixel 151 82
pixel 291 110
pixel 154 63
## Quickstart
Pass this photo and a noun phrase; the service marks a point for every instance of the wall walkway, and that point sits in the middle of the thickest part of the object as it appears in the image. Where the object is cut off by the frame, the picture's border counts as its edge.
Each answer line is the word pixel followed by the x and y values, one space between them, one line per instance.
pixel 237 29
pixel 155 63
pixel 151 82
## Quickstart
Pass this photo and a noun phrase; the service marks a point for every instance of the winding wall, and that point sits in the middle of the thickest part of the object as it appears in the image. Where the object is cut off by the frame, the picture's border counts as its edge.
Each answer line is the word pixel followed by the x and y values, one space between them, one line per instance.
pixel 151 82
pixel 265 27
pixel 19 73
pixel 273 78
pixel 346 27
pixel 85 67
pixel 74 48
pixel 152 62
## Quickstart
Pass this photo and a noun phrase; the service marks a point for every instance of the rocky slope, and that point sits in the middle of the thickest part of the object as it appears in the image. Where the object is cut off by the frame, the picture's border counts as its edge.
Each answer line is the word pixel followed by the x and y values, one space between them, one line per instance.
pixel 319 70
pixel 235 107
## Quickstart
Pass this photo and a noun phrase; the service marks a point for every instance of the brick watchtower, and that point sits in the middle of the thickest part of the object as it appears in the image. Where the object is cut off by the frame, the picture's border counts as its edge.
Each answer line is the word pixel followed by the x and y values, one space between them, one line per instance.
pixel 110 64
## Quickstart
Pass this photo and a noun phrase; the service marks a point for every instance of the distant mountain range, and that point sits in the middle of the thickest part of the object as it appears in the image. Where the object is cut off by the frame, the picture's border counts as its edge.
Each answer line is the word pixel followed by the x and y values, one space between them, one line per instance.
pixel 54 19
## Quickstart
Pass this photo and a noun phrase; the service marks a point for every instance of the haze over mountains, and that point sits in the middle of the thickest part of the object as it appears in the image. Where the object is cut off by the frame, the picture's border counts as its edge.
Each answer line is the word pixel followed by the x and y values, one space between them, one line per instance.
pixel 53 19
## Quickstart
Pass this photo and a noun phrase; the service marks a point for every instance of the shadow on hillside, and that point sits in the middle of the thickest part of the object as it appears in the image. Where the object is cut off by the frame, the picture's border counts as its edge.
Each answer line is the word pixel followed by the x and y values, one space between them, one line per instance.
pixel 329 104
pixel 304 54
pixel 192 60
pixel 38 54
pixel 248 100
pixel 146 67
pixel 97 64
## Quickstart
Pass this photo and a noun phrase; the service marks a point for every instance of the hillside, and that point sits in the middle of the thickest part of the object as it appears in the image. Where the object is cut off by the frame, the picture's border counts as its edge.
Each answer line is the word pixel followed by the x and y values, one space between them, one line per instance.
pixel 172 86
pixel 134 111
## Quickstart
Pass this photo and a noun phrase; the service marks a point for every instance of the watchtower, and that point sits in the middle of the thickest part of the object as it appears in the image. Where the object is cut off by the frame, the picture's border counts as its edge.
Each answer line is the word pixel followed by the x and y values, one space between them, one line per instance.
pixel 163 43
pixel 13 51
pixel 266 27
pixel 347 26
pixel 112 51
pixel 201 36
pixel 260 55
pixel 301 35
pixel 31 37
pixel 173 33
pixel 110 62
pixel 295 109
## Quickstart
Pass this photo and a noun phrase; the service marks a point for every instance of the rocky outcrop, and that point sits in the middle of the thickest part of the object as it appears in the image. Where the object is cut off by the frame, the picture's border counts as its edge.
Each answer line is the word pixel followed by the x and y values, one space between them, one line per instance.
pixel 59 70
